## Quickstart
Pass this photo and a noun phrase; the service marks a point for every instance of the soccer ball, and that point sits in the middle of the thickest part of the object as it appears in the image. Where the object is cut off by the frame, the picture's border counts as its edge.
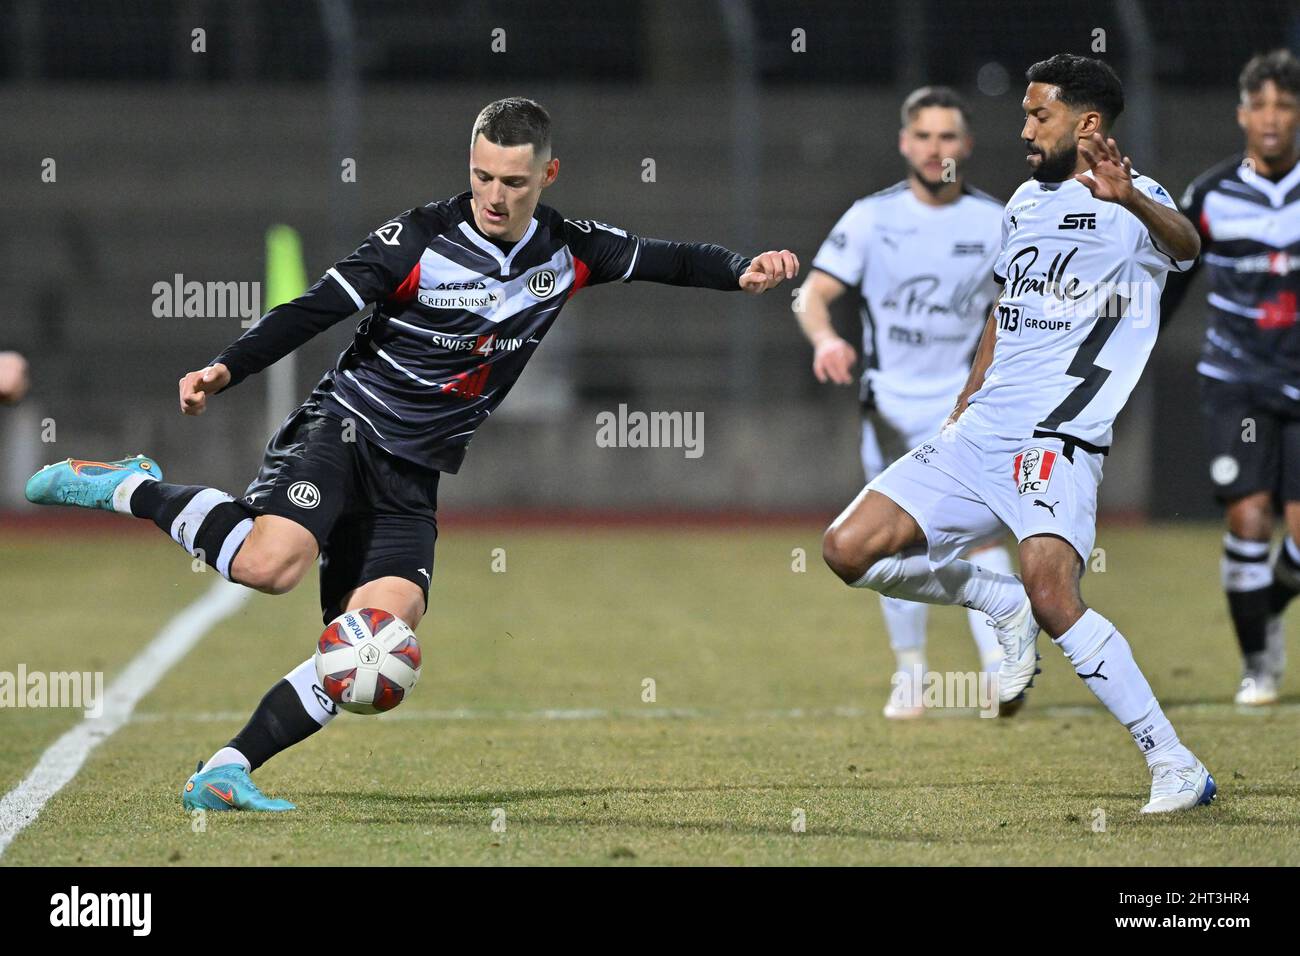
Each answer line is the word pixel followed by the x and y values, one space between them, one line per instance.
pixel 367 661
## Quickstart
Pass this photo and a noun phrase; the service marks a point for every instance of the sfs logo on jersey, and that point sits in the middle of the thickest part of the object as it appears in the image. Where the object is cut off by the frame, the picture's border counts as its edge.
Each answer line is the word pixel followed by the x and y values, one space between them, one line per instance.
pixel 1079 220
pixel 1033 470
pixel 542 283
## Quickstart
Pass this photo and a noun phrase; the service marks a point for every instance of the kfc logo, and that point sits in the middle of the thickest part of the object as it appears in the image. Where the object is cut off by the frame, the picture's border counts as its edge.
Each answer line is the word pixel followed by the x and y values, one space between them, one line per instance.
pixel 1033 470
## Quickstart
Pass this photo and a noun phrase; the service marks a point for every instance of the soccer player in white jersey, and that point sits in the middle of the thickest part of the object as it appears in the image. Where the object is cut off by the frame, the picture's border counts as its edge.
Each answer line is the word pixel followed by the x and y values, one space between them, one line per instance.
pixel 1086 245
pixel 920 254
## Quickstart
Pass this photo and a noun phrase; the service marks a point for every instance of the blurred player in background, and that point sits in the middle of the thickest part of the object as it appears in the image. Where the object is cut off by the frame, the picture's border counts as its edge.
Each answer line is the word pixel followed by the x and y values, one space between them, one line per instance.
pixel 1247 210
pixel 13 378
pixel 1086 243
pixel 463 290
pixel 920 254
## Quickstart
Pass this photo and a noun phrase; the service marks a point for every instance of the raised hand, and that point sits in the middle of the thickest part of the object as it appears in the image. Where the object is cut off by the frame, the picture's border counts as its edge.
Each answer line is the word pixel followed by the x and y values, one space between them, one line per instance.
pixel 1110 173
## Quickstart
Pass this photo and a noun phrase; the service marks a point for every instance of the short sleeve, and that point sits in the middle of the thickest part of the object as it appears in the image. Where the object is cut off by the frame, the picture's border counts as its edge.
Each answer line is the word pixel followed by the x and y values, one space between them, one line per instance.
pixel 1000 262
pixel 1150 255
pixel 843 254
pixel 602 253
pixel 383 262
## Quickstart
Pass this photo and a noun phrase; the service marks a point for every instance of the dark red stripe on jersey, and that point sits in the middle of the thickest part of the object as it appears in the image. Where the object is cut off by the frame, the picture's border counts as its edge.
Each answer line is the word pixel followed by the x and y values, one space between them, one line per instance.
pixel 581 272
pixel 410 285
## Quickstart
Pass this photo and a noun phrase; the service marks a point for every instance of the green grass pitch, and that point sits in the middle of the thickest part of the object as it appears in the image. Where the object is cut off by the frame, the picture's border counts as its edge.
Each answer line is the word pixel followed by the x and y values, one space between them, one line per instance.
pixel 530 715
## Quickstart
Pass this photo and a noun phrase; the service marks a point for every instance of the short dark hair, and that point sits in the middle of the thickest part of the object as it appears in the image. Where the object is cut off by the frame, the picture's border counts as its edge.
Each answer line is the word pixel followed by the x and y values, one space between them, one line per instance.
pixel 514 121
pixel 1276 65
pixel 1083 82
pixel 944 96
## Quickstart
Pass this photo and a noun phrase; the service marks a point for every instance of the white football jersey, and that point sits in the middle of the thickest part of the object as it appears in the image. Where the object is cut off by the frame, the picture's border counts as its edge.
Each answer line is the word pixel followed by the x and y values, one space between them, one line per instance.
pixel 1078 315
pixel 926 278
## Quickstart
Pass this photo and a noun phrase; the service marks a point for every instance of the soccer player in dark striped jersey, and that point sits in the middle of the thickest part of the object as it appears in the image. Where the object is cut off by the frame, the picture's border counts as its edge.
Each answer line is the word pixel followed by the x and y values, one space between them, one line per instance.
pixel 463 291
pixel 1247 210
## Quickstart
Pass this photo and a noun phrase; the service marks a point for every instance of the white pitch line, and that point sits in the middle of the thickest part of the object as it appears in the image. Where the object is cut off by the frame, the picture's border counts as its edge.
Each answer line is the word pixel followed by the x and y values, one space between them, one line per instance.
pixel 62 759
pixel 695 713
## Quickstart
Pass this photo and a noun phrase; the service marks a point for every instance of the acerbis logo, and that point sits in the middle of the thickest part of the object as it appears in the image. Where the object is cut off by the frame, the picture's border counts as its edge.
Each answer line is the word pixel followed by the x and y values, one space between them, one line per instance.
pixel 1079 220
pixel 461 285
pixel 542 283
pixel 304 494
pixel 389 232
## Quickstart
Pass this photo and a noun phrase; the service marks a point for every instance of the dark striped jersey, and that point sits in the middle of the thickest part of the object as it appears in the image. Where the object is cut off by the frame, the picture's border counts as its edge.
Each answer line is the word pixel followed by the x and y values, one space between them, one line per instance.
pixel 456 317
pixel 1250 249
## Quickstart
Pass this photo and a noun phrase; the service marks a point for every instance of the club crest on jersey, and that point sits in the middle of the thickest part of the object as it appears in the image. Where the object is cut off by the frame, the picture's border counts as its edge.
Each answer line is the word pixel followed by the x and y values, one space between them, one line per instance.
pixel 542 283
pixel 1033 470
pixel 389 232
pixel 304 494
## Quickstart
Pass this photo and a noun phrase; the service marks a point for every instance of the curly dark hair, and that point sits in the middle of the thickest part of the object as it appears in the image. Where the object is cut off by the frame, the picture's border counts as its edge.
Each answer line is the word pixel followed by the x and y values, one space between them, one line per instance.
pixel 1084 83
pixel 1276 65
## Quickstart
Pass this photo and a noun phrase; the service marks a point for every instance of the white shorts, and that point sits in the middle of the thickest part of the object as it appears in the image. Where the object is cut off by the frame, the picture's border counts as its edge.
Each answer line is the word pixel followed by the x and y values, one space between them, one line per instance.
pixel 894 426
pixel 961 488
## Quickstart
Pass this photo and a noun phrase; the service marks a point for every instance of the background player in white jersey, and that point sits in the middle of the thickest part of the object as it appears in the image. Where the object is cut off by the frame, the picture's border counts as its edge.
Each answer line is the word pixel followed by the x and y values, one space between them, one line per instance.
pixel 1086 247
pixel 920 254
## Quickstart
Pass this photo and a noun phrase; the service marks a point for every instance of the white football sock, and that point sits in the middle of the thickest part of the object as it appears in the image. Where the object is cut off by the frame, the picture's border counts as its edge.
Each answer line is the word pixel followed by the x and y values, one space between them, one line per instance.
pixel 999 596
pixel 227 755
pixel 303 680
pixel 123 492
pixel 1103 658
pixel 997 560
pixel 905 623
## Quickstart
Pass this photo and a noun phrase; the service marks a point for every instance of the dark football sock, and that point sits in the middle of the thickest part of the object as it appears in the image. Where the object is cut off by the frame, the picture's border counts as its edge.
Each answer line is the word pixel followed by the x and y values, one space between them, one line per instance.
pixel 292 710
pixel 209 524
pixel 1247 579
pixel 1286 576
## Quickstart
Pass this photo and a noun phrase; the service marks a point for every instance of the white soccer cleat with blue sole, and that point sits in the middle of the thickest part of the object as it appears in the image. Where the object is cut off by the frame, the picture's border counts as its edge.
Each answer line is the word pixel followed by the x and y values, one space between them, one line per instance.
pixel 1180 788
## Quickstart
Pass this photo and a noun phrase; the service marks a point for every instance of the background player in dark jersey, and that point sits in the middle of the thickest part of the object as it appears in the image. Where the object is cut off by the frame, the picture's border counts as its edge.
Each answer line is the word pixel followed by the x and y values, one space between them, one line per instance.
pixel 1247 209
pixel 464 290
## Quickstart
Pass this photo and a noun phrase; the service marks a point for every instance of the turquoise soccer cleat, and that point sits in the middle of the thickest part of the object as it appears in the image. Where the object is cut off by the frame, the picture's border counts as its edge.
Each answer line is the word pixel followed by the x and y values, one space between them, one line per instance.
pixel 88 484
pixel 228 787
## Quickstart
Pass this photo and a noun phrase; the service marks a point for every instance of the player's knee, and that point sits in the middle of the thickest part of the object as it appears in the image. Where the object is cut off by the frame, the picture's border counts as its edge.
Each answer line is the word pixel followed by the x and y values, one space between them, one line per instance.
pixel 270 570
pixel 1056 604
pixel 1251 519
pixel 850 552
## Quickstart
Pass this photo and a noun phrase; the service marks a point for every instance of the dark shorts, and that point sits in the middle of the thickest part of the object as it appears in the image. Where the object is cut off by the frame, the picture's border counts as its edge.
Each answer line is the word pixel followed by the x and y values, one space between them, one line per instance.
pixel 1253 436
pixel 373 515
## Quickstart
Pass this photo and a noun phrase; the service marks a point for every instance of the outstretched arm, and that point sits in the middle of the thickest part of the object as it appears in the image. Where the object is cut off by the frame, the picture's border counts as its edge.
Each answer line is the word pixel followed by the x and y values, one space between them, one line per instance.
pixel 709 266
pixel 275 335
pixel 377 269
pixel 1110 179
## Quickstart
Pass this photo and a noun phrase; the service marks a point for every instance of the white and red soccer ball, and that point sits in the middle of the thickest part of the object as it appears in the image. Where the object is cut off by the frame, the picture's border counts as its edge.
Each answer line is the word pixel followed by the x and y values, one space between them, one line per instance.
pixel 367 661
